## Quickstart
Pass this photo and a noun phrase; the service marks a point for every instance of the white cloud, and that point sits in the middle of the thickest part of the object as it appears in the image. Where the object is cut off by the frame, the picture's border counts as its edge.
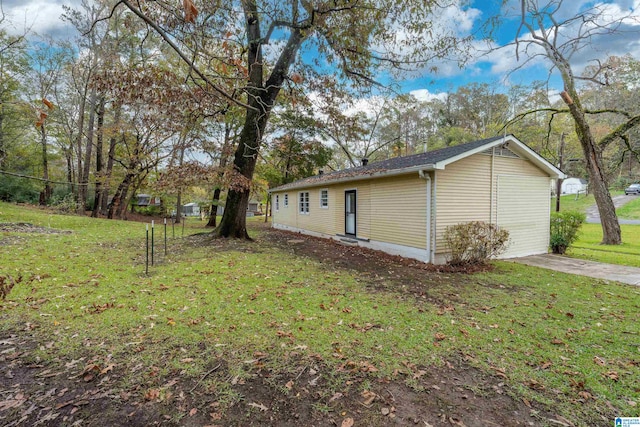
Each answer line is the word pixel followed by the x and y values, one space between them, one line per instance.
pixel 424 95
pixel 40 16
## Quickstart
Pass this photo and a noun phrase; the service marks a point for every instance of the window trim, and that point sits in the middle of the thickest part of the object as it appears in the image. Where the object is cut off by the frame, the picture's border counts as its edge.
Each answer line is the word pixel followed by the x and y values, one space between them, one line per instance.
pixel 326 206
pixel 303 203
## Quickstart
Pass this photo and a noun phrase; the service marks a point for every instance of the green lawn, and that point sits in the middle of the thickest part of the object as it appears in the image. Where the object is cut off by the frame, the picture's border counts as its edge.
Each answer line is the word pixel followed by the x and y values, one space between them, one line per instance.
pixel 567 342
pixel 630 210
pixel 588 246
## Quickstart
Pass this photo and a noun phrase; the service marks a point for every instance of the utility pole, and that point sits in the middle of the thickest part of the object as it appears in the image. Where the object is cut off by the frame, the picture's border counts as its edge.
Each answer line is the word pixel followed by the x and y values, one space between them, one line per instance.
pixel 560 166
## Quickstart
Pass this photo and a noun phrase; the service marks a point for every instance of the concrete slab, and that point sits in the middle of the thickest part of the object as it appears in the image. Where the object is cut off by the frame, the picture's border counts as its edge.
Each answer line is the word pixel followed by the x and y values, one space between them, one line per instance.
pixel 598 270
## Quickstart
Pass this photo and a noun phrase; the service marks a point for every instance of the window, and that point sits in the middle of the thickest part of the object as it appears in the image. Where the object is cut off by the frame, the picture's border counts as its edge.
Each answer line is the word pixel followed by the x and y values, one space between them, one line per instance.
pixel 286 200
pixel 277 202
pixel 324 198
pixel 304 203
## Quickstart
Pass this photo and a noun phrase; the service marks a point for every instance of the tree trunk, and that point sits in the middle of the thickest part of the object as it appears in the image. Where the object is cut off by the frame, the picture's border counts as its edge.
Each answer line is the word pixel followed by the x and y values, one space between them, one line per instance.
pixel 611 234
pixel 99 161
pixel 110 161
pixel 261 98
pixel 214 208
pixel 119 198
pixel 83 187
pixel 46 192
pixel 83 104
pixel 224 157
pixel 234 218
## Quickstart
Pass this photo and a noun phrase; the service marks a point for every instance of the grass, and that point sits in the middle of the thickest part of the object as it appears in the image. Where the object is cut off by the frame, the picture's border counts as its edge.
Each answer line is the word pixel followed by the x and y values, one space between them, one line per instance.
pixel 588 246
pixel 566 341
pixel 630 210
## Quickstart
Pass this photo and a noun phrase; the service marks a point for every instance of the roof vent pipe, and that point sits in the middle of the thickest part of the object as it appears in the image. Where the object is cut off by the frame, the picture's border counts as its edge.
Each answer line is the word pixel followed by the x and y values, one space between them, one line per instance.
pixel 320 172
pixel 365 161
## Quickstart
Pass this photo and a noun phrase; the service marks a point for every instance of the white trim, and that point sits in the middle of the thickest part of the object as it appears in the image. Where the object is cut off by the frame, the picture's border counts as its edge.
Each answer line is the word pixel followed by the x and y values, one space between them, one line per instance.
pixel 320 194
pixel 419 254
pixel 530 155
pixel 301 202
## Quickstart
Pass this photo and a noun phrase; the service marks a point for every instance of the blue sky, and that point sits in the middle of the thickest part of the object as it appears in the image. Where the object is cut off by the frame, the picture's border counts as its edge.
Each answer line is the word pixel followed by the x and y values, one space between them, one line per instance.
pixel 44 17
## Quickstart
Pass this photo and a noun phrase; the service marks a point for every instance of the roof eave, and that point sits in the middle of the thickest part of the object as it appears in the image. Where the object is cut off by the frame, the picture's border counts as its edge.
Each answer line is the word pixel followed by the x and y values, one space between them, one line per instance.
pixel 393 172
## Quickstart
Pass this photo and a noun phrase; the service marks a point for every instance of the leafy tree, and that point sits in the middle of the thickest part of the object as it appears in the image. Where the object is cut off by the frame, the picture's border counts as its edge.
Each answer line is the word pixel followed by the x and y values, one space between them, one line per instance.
pixel 556 39
pixel 259 49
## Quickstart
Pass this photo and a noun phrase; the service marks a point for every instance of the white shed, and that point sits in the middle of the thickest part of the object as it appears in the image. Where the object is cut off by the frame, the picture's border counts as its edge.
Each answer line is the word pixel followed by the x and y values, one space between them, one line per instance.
pixel 573 186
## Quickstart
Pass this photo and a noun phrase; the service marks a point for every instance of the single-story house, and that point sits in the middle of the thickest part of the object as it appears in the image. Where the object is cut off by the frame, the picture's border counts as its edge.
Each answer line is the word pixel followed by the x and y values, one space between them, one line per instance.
pixel 191 209
pixel 403 205
pixel 147 200
pixel 573 186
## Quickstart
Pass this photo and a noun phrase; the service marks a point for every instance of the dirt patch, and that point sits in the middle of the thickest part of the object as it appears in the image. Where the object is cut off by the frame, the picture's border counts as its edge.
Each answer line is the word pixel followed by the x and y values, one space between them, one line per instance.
pixel 91 392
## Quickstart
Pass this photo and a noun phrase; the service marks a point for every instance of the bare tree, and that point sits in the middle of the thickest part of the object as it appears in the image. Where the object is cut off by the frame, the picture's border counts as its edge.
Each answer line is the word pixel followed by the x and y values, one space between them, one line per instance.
pixel 545 33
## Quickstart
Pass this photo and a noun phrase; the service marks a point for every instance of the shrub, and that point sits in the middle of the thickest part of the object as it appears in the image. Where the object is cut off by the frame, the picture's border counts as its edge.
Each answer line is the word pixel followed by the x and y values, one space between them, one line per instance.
pixel 18 190
pixel 564 230
pixel 474 242
pixel 65 203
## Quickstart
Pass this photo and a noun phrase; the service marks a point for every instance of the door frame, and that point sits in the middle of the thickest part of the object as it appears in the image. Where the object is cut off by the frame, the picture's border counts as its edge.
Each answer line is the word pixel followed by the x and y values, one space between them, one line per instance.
pixel 347 193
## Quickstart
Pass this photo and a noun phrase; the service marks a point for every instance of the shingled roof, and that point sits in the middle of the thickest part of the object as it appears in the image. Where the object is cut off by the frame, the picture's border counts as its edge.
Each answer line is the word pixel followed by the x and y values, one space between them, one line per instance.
pixel 398 165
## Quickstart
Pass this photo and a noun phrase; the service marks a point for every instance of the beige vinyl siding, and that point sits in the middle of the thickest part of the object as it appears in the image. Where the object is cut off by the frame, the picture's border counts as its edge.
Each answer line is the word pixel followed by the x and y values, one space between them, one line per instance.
pixel 319 220
pixel 463 194
pixel 399 210
pixel 284 215
pixel 523 210
pixel 363 207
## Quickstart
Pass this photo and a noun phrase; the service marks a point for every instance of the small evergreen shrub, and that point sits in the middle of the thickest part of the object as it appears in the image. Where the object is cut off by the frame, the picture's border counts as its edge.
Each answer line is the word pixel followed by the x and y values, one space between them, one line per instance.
pixel 474 242
pixel 65 204
pixel 564 230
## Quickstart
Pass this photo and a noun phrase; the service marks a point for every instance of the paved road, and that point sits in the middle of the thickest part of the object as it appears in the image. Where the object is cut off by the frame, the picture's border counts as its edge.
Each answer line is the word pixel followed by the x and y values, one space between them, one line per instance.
pixel 593 217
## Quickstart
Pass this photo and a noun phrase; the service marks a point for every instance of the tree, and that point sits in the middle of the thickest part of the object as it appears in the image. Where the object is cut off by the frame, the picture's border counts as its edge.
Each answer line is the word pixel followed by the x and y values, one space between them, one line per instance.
pixel 358 38
pixel 558 40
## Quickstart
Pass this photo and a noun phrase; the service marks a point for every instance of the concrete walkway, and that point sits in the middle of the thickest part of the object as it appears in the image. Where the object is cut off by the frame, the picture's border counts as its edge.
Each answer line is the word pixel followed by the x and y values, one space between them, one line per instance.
pixel 598 270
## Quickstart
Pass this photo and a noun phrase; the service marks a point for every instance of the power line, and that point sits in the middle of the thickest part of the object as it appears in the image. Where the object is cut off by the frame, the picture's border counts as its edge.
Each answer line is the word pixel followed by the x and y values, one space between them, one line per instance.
pixel 42 179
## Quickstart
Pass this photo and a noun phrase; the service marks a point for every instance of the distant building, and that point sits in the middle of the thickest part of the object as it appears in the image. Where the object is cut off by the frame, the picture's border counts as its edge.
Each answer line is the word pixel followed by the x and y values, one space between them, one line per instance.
pixel 148 200
pixel 191 209
pixel 574 186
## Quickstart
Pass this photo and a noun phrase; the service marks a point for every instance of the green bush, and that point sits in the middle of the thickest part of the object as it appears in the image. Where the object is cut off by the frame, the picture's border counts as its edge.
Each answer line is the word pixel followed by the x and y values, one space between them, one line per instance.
pixel 474 242
pixel 564 230
pixel 66 203
pixel 150 210
pixel 18 190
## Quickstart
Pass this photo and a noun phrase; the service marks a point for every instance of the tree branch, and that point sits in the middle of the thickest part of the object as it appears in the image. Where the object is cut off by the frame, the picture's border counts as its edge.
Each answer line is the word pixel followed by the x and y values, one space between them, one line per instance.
pixel 162 33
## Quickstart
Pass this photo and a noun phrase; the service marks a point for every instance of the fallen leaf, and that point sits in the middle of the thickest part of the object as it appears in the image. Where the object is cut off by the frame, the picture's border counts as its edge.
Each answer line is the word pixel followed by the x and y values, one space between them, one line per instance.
pixel 289 385
pixel 439 336
pixel 152 394
pixel 369 397
pixel 258 405
pixel 612 375
pixel 599 360
pixel 193 411
pixel 347 422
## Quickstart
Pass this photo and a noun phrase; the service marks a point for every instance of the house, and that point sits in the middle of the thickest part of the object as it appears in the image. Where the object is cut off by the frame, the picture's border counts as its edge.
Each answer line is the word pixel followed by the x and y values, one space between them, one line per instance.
pixel 403 205
pixel 573 186
pixel 191 209
pixel 147 200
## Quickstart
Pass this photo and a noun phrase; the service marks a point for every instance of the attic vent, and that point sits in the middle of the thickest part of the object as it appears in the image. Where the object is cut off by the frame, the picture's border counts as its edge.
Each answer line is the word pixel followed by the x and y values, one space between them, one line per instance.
pixel 501 151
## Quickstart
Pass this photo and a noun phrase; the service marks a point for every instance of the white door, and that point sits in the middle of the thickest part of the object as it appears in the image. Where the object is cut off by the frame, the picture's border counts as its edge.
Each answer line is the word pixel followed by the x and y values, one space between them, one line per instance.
pixel 523 209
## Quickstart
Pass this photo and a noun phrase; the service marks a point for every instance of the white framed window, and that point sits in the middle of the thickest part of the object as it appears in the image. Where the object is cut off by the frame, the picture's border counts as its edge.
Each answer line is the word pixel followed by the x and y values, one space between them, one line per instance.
pixel 303 204
pixel 286 200
pixel 324 198
pixel 277 203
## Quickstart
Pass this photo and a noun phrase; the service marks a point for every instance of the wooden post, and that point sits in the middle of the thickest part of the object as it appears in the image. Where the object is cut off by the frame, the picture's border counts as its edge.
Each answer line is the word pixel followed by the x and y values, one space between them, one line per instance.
pixel 560 166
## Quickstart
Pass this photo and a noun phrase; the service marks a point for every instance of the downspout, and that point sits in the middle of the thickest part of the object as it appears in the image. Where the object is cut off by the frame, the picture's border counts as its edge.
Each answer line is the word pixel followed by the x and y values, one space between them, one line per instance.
pixel 425 175
pixel 491 189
